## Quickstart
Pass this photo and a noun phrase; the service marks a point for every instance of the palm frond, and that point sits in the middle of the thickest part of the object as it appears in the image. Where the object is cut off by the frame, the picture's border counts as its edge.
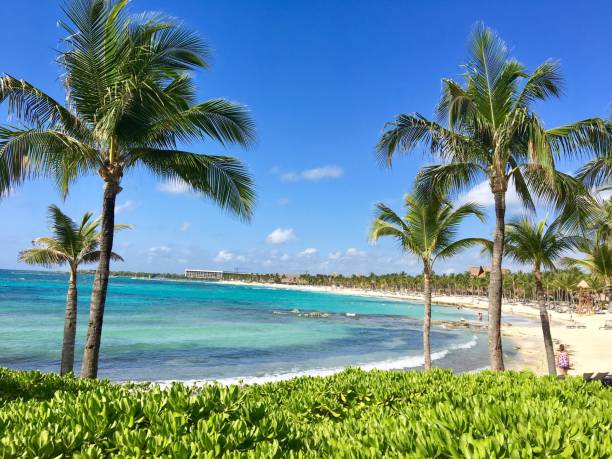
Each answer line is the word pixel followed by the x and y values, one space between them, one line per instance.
pixel 545 82
pixel 42 257
pixel 408 131
pixel 597 172
pixel 585 137
pixel 456 247
pixel 32 105
pixel 447 179
pixel 218 119
pixel 94 257
pixel 28 153
pixel 487 63
pixel 520 185
pixel 220 178
pixel 65 230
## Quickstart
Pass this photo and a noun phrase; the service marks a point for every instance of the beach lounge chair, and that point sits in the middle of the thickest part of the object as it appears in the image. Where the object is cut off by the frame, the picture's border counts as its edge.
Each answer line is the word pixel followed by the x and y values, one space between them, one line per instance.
pixel 607 325
pixel 575 324
pixel 605 378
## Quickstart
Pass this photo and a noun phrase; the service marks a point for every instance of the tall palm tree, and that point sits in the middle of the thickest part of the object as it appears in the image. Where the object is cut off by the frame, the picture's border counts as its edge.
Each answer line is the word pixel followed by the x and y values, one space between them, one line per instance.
pixel 597 261
pixel 428 230
pixel 71 244
pixel 539 245
pixel 489 130
pixel 130 103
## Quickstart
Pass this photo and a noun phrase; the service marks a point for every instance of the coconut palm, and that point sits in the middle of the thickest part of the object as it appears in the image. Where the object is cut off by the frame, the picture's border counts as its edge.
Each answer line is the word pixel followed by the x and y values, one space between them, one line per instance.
pixel 539 245
pixel 71 244
pixel 488 130
pixel 130 104
pixel 597 261
pixel 427 230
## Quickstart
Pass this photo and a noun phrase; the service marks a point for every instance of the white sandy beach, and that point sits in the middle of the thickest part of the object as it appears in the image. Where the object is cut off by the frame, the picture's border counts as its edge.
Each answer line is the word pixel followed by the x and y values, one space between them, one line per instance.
pixel 590 348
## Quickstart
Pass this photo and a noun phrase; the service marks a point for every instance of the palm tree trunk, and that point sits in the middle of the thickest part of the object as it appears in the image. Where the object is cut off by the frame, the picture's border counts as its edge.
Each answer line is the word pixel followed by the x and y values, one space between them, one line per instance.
pixel 89 368
pixel 495 285
pixel 427 321
pixel 70 321
pixel 548 342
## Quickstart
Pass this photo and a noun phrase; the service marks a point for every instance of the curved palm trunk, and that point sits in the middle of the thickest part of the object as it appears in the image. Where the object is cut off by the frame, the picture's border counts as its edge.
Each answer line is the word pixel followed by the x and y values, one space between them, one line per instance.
pixel 495 286
pixel 89 367
pixel 548 342
pixel 70 321
pixel 427 320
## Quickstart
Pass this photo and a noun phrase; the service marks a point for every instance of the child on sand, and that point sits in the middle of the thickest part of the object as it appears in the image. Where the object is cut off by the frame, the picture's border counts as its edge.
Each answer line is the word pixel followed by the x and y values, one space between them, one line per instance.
pixel 563 360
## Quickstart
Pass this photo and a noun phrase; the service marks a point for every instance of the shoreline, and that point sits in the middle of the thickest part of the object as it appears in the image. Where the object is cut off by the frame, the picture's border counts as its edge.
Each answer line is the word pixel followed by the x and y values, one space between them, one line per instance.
pixel 589 348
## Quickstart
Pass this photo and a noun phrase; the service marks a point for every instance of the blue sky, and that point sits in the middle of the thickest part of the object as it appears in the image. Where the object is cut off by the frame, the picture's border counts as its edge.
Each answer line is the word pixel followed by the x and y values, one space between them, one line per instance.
pixel 321 79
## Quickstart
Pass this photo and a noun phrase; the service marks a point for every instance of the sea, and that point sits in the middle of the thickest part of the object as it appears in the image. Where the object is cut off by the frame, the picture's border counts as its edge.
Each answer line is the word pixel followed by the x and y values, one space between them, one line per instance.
pixel 195 331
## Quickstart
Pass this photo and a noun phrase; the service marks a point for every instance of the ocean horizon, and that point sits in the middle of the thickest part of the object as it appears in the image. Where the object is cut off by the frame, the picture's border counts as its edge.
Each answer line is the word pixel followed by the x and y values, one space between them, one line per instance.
pixel 160 330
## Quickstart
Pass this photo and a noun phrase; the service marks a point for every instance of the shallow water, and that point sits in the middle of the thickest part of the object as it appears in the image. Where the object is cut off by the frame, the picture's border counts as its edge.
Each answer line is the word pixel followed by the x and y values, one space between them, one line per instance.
pixel 167 330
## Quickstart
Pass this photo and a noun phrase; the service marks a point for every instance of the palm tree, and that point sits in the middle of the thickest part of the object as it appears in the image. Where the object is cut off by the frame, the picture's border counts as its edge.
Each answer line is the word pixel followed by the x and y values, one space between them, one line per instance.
pixel 597 261
pixel 130 103
pixel 71 244
pixel 489 130
pixel 539 245
pixel 428 230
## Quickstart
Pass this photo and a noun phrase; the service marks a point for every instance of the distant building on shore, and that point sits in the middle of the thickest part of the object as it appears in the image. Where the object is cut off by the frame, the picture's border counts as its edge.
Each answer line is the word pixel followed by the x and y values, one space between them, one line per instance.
pixel 204 274
pixel 292 279
pixel 479 271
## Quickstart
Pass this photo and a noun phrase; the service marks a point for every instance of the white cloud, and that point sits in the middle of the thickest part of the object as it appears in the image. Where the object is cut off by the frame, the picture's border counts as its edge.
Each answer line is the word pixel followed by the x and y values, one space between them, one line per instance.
pixel 224 256
pixel 335 255
pixel 313 175
pixel 185 226
pixel 126 206
pixel 174 187
pixel 353 252
pixel 308 252
pixel 283 201
pixel 481 194
pixel 284 257
pixel 280 236
pixel 160 249
pixel 158 252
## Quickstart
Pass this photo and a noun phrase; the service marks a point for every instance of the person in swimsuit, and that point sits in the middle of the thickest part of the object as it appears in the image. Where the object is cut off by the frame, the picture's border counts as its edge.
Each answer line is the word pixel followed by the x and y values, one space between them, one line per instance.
pixel 563 360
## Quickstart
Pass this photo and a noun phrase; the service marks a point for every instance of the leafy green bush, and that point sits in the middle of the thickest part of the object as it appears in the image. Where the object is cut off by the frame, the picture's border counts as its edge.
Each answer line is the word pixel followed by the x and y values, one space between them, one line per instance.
pixel 351 414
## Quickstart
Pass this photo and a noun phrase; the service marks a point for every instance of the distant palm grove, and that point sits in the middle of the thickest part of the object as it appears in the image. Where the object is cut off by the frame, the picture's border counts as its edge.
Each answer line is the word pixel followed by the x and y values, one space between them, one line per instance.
pixel 561 286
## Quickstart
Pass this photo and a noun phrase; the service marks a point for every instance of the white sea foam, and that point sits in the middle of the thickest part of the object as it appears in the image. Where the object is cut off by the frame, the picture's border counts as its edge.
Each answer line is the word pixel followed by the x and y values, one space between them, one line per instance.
pixel 390 364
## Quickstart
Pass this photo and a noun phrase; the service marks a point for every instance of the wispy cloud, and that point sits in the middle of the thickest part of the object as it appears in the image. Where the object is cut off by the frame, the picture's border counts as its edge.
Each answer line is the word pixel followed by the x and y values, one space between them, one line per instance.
pixel 308 252
pixel 174 187
pixel 283 201
pixel 126 206
pixel 312 175
pixel 185 226
pixel 157 252
pixel 353 252
pixel 224 256
pixel 280 236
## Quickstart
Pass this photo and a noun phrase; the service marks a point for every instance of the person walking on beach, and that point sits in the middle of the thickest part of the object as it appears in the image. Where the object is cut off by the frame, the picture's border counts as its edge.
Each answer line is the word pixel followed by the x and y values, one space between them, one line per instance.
pixel 563 360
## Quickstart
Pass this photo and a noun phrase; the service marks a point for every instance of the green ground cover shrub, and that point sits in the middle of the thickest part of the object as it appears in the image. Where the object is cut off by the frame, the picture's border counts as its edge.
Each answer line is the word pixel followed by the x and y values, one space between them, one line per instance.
pixel 351 414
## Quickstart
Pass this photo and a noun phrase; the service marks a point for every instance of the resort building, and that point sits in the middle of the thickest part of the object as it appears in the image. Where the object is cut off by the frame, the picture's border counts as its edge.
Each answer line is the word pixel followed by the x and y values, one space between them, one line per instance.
pixel 204 274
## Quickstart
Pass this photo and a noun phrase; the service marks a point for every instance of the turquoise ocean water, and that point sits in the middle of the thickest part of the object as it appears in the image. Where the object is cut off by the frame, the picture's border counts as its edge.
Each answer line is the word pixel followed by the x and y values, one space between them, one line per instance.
pixel 168 330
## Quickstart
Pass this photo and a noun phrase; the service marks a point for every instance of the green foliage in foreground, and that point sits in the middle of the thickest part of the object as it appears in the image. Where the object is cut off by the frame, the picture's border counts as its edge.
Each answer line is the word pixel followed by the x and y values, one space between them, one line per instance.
pixel 351 414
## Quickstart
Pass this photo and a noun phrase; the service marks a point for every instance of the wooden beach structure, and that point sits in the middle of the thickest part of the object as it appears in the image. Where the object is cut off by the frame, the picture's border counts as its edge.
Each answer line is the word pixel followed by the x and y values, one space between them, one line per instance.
pixel 585 305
